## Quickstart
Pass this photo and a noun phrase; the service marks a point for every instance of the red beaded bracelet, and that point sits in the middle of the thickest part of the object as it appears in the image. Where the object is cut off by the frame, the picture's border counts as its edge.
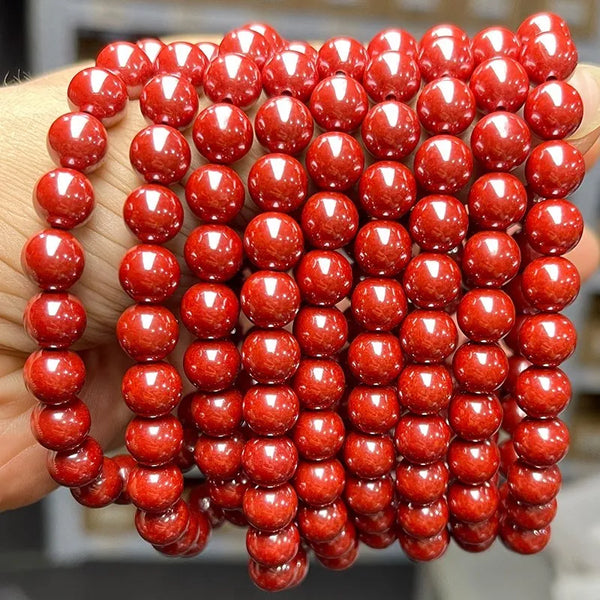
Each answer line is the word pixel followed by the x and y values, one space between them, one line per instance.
pixel 335 403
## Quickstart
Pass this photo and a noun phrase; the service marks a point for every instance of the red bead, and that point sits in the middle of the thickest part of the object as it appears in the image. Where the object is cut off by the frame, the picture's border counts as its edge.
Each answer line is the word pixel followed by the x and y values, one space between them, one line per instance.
pixel 155 489
pixel 278 182
pixel 390 130
pixel 154 442
pixel 475 533
pixel 77 140
pixel 553 110
pixel 247 42
pixel 379 304
pixel 270 356
pixel 183 59
pixel 445 56
pixel 443 164
pixel 169 100
pixel 392 75
pixel 422 439
pixel 210 310
pixel 270 461
pixel 282 577
pixel 424 549
pixel 387 190
pixel 147 332
pixel 550 55
pixel 425 389
pixel 480 367
pixel 222 133
pixel 99 93
pixel 428 336
pixel 153 213
pixel 546 340
pixel 516 365
pixel 382 248
pixel 472 503
pixel 485 315
pixel 269 33
pixel 369 496
pixel 213 252
pixel 219 458
pixel 446 105
pixel 495 41
pixel 541 442
pixel 149 273
pixel 321 332
pixel 284 124
pixel 129 63
pixel 553 226
pixel 490 259
pixel 54 319
pixel 473 462
pixel 194 539
pixel 322 524
pixel 77 467
pixel 432 280
pixel 379 522
pixel 104 490
pixel 532 485
pixel 375 358
pixel 443 30
pixel 394 39
pixel 212 366
pixel 61 427
pixel 151 47
pixel 524 541
pixel 329 220
pixel 530 516
pixel 368 456
pixel 501 141
pixel 334 161
pixel 233 78
pixel 209 49
pixel 165 527
pixel 319 383
pixel 290 73
pixel 438 223
pixel 318 435
pixel 324 277
pixel 421 484
pixel 301 47
pixel 541 23
pixel 125 464
pixel 217 414
pixel 270 509
pixel 319 483
pixel 273 549
pixel 512 414
pixel 342 55
pixel 342 543
pixel 554 169
pixel 542 392
pixel 499 83
pixel 423 521
pixel 152 389
pixel 475 417
pixel 550 283
pixel 270 410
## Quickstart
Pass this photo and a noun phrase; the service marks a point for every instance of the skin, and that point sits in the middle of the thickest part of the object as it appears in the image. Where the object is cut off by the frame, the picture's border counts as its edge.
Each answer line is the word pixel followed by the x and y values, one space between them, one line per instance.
pixel 27 111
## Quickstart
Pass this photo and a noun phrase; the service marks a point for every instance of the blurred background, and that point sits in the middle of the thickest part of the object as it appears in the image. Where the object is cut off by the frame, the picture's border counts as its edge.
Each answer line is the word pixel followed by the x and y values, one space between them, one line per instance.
pixel 58 550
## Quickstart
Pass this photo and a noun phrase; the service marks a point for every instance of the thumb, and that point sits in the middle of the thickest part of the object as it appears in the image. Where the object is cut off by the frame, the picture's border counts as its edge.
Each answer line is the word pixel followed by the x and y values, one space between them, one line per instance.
pixel 586 80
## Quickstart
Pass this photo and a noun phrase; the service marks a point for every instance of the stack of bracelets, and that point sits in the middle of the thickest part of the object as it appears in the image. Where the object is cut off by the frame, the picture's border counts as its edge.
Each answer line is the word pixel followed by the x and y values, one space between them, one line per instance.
pixel 335 402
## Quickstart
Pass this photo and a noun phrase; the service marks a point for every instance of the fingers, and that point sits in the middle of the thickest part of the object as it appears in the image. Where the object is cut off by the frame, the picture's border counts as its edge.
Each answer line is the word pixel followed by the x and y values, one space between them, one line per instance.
pixel 586 80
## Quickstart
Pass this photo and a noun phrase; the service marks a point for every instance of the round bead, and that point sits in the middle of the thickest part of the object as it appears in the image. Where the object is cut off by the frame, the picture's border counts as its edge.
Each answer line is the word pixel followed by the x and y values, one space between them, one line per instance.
pixel 532 485
pixel 318 435
pixel 77 467
pixel 54 319
pixel 217 414
pixel 270 410
pixel 445 56
pixel 61 427
pixel 524 541
pixel 247 42
pixel 341 544
pixel 212 366
pixel 530 516
pixel 104 490
pixel 77 141
pixel 443 30
pixel 369 496
pixel 290 73
pixel 282 577
pixel 334 161
pixel 424 549
pixel 151 47
pixel 490 259
pixel 368 456
pixel 213 252
pixel 379 522
pixel 160 154
pixel 475 533
pixel 546 340
pixel 554 169
pixel 485 315
pixel 500 141
pixel 302 47
pixel 553 226
pixel 209 310
pixel 432 280
pixel 324 277
pixel 390 130
pixel 425 389
pixel 379 304
pixel 329 220
pixel 165 527
pixel 387 190
pixel 475 417
pixel 219 458
pixel 421 484
pixel 319 483
pixel 422 439
pixel 480 367
pixel 270 461
pixel 443 164
pixel 99 93
pixel 339 103
pixel 129 63
pixel 342 55
pixel 438 223
pixel 495 41
pixel 270 356
pixel 209 49
pixel 392 75
pixel 473 462
pixel 284 124
pixel 375 358
pixel 428 336
pixel 446 105
pixel 373 410
pixel 153 213
pixel 550 55
pixel 541 23
pixel 273 549
pixel 222 133
pixel 499 83
pixel 541 442
pixel 472 503
pixel 382 248
pixel 319 383
pixel 232 78
pixel 423 521
pixel 155 489
pixel 542 392
pixel 397 40
pixel 183 59
pixel 169 100
pixel 550 283
pixel 147 332
pixel 322 524
pixel 270 509
pixel 154 442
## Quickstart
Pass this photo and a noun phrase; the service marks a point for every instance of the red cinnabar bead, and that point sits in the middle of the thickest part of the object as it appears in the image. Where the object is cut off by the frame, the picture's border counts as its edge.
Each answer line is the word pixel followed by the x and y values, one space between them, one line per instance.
pixel 392 75
pixel 233 78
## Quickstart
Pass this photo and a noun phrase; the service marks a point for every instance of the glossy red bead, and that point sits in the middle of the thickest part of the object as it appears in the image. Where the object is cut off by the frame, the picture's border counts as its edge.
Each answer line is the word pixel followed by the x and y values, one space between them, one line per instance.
pixel 324 277
pixel 209 49
pixel 104 490
pixel 183 59
pixel 76 467
pixel 369 496
pixel 284 124
pixel 270 509
pixel 61 427
pixel 485 315
pixel 445 56
pixel 516 365
pixel 318 435
pixel 169 100
pixel 217 414
pixel 342 55
pixel 78 141
pixel 472 503
pixel 529 516
pixel 290 73
pixel 423 521
pixel 541 23
pixel 233 78
pixel 392 75
pixel 422 439
pixel 542 392
pixel 541 442
pixel 443 30
pixel 154 442
pixel 499 83
pixel 475 417
pixel 443 164
pixel 494 41
pixel 379 304
pixel 397 40
pixel 550 283
pixel 490 259
pixel 553 226
pixel 339 546
pixel 373 410
pixel 533 485
pixel 546 340
pixel 480 367
pixel 270 356
pixel 222 133
pixel 282 577
pixel 375 358
pixel 219 458
pixel 213 365
pixel 524 541
pixel 125 463
pixel 421 484
pixel 319 483
pixel 329 220
pixel 549 55
pixel 512 414
pixel 129 63
pixel 379 522
pixel 270 461
pixel 301 47
pixel 322 524
pixel 270 409
pixel 474 534
pixel 155 489
pixel 162 528
pixel 151 47
pixel 247 42
pixel 428 336
pixel 368 456
pixel 382 248
pixel 424 549
pixel 319 383
pixel 473 463
pixel 273 549
pixel 425 389
pixel 334 161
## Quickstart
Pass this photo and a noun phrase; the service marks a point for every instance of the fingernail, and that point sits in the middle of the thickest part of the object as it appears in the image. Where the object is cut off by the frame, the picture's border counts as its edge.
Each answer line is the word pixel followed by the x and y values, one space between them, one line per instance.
pixel 586 80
